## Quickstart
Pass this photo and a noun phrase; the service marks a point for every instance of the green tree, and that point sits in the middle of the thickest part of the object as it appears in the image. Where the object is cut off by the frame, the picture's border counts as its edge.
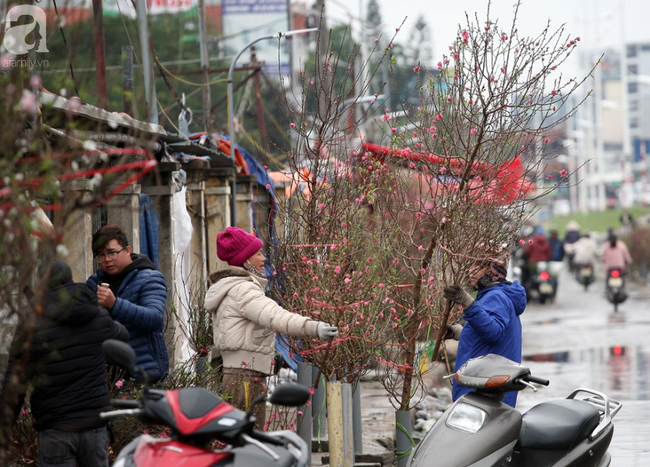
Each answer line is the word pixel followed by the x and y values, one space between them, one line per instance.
pixel 173 42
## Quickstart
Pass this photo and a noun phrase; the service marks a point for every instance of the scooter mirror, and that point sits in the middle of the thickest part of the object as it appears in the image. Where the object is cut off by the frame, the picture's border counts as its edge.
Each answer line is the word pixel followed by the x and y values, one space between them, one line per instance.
pixel 119 353
pixel 290 395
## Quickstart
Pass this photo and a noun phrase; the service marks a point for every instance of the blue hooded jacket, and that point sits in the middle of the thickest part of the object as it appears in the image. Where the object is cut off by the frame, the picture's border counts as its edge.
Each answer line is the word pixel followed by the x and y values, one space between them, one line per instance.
pixel 140 307
pixel 492 326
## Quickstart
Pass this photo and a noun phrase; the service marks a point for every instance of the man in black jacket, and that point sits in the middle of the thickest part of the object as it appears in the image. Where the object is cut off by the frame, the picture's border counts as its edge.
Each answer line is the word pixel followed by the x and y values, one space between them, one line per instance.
pixel 68 373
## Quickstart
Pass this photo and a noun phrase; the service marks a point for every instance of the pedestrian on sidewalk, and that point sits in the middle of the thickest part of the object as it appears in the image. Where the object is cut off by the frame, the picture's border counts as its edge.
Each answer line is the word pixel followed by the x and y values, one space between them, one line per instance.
pixel 245 320
pixel 492 323
pixel 68 373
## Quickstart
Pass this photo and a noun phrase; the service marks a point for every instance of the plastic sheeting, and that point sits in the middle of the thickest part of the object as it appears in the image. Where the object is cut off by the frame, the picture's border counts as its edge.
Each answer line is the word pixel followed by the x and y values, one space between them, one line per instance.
pixel 182 228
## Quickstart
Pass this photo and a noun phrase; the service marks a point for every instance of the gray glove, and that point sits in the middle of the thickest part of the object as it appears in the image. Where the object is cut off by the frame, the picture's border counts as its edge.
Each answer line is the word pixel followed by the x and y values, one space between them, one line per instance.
pixel 325 330
pixel 453 331
pixel 456 294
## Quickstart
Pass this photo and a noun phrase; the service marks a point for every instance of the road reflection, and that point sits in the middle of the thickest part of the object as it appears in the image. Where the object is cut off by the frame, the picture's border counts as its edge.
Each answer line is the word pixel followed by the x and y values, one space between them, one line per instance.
pixel 579 341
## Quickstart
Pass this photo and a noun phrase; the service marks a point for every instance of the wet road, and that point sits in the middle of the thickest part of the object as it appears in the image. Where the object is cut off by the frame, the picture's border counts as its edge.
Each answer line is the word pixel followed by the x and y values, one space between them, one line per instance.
pixel 579 341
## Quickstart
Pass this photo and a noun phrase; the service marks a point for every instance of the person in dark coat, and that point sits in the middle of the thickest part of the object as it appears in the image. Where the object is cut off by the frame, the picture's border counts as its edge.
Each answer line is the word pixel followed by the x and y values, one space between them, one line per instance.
pixel 68 372
pixel 538 249
pixel 134 292
pixel 557 246
pixel 570 239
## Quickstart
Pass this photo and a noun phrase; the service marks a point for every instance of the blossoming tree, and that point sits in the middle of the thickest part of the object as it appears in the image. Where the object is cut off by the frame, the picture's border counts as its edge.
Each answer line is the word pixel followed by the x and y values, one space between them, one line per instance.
pixel 39 166
pixel 379 230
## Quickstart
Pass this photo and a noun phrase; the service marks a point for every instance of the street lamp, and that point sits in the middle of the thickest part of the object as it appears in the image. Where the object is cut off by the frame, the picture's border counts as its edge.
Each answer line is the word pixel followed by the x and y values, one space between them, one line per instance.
pixel 231 122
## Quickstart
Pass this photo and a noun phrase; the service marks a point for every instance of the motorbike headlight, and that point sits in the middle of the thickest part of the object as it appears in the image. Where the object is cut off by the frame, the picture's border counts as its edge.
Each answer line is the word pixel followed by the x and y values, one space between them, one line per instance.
pixel 467 418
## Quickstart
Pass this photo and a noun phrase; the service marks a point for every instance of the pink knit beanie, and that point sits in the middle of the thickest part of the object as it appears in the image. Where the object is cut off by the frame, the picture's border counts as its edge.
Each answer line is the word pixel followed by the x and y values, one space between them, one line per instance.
pixel 235 246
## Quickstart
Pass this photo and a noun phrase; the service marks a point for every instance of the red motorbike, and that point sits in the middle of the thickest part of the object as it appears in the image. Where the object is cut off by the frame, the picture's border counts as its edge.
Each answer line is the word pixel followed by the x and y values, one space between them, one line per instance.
pixel 196 418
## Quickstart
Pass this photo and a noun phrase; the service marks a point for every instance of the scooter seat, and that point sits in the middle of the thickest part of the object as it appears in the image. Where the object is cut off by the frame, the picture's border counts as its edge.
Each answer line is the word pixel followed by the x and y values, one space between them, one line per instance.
pixel 558 424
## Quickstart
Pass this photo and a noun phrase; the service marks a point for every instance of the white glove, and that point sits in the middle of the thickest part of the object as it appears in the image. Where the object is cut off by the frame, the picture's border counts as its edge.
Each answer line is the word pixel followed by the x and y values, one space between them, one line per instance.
pixel 325 330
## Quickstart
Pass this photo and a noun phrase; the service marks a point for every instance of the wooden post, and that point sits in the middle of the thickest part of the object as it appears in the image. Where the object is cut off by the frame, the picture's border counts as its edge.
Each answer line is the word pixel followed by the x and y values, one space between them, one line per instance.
pixel 339 425
pixel 100 53
pixel 261 124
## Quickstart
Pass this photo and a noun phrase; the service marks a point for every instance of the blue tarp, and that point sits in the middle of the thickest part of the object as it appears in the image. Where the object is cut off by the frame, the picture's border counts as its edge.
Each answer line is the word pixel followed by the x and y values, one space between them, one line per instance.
pixel 263 180
pixel 148 229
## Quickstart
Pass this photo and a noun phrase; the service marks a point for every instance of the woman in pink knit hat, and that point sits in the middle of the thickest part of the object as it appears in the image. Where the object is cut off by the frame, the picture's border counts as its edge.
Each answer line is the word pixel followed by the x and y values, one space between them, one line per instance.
pixel 245 320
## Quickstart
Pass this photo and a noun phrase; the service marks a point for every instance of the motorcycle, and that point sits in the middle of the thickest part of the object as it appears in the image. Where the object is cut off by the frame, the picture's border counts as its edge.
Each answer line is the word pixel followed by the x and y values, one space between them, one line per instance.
pixel 196 418
pixel 542 285
pixel 575 431
pixel 570 253
pixel 585 274
pixel 615 287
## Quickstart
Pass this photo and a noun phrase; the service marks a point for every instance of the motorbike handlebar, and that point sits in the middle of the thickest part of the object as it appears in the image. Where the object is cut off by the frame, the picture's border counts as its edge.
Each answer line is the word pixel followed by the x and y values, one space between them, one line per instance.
pixel 536 380
pixel 120 412
pixel 125 404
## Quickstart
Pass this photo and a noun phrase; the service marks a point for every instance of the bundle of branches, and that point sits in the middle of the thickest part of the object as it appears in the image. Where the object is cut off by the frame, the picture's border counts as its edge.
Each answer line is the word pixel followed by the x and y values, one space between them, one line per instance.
pixel 377 232
pixel 471 152
pixel 41 167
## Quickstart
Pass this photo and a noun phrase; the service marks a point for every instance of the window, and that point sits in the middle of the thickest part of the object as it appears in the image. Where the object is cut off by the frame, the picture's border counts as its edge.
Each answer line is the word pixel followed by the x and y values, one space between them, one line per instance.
pixel 631 50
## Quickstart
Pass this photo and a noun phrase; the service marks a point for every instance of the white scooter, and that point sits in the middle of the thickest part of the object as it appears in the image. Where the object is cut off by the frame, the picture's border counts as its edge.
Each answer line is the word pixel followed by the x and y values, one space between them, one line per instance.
pixel 479 430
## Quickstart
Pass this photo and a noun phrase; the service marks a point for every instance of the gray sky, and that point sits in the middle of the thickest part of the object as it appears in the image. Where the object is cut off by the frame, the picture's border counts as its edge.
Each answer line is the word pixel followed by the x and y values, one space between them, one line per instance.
pixel 599 23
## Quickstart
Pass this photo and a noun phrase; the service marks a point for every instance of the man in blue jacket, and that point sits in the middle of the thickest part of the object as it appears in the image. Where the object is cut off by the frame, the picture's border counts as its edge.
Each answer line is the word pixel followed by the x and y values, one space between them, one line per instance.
pixel 492 320
pixel 134 292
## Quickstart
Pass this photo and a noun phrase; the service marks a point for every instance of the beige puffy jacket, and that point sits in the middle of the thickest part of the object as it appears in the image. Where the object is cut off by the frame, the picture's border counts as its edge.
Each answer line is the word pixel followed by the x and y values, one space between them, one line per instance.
pixel 244 320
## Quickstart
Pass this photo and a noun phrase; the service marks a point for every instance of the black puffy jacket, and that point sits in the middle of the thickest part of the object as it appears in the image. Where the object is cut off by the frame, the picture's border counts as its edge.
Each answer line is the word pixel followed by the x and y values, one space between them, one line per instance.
pixel 66 366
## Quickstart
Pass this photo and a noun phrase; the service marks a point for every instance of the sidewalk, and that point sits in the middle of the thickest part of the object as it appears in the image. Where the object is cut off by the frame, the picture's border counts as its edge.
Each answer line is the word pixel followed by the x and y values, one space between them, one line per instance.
pixel 378 422
pixel 378 425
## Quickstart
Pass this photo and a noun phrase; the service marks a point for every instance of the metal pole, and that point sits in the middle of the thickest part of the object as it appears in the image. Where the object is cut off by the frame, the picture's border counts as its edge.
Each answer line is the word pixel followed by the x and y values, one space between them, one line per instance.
pixel 318 405
pixel 205 65
pixel 305 420
pixel 147 64
pixel 231 117
pixel 127 78
pixel 357 429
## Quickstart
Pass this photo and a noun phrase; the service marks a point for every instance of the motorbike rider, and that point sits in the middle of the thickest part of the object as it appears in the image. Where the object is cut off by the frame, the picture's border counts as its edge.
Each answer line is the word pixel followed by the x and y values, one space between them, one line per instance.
pixel 586 250
pixel 492 323
pixel 570 238
pixel 557 245
pixel 245 320
pixel 615 255
pixel 538 249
